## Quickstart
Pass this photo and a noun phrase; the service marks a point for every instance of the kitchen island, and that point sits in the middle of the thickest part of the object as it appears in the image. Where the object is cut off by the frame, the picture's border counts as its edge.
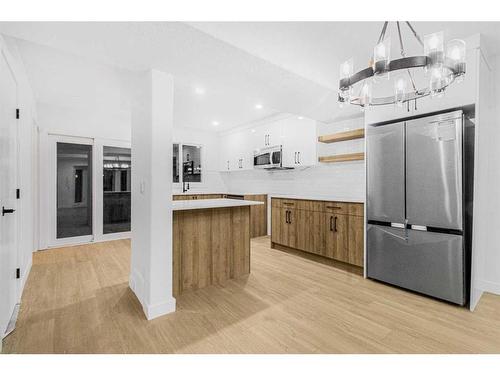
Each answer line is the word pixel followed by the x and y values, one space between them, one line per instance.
pixel 211 242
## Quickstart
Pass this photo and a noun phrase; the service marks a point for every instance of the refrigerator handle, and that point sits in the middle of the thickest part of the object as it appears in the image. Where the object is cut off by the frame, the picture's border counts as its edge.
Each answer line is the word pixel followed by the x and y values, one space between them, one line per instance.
pixel 406 229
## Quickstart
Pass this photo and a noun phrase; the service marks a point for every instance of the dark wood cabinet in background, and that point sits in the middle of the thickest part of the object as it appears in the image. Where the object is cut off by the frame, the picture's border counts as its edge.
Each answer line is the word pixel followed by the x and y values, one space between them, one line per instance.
pixel 330 229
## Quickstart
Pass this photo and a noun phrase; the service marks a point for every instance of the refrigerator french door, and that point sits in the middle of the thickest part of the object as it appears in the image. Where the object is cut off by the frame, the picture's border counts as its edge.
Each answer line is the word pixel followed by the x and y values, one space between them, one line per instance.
pixel 417 232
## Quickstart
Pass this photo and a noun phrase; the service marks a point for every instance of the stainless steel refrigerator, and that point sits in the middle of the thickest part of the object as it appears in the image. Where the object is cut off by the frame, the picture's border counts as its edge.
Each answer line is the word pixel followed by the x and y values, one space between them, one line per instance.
pixel 419 204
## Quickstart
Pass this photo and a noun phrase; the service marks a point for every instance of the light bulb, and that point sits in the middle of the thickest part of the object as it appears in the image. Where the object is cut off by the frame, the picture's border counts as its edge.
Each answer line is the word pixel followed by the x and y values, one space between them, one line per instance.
pixel 382 58
pixel 438 82
pixel 455 56
pixel 346 69
pixel 365 97
pixel 434 48
pixel 400 91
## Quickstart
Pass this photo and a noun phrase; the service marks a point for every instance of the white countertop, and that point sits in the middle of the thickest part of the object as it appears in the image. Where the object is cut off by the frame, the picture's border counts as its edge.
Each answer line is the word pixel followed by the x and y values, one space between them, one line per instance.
pixel 194 192
pixel 197 204
pixel 318 198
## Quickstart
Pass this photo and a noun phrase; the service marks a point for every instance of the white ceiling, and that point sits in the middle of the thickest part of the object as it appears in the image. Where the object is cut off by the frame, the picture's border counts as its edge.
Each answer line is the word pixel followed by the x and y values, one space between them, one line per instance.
pixel 285 66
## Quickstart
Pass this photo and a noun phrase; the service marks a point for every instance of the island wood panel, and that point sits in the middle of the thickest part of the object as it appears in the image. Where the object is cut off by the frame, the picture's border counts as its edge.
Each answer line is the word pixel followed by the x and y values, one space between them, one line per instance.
pixel 210 247
pixel 258 215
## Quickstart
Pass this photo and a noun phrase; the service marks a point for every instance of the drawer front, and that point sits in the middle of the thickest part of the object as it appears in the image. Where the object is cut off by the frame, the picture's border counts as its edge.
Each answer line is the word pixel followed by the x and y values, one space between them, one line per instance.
pixel 289 203
pixel 275 202
pixel 336 207
pixel 316 206
pixel 356 209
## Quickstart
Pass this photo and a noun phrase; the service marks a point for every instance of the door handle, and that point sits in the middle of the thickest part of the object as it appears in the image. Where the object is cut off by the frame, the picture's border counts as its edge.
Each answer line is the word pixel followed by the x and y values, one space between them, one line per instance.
pixel 7 211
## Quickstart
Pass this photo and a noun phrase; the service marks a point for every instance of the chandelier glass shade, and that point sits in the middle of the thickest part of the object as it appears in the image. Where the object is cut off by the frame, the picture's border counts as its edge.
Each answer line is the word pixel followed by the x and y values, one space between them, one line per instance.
pixel 440 64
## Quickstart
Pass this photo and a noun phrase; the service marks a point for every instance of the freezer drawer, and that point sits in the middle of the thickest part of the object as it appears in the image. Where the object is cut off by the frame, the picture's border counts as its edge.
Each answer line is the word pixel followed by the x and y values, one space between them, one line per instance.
pixel 434 171
pixel 425 262
pixel 385 173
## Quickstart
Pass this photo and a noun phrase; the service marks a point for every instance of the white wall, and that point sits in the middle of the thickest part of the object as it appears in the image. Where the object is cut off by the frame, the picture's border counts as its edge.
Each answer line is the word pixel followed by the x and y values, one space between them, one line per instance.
pixel 343 181
pixel 76 96
pixel 27 177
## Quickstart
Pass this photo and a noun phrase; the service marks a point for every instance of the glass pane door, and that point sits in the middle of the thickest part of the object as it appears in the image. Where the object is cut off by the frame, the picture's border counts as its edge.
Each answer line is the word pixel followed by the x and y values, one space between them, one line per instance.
pixel 74 190
pixel 116 189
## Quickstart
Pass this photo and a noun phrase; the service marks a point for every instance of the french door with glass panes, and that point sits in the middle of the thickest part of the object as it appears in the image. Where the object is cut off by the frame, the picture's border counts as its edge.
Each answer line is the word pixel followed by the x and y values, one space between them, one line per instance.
pixel 71 190
pixel 90 190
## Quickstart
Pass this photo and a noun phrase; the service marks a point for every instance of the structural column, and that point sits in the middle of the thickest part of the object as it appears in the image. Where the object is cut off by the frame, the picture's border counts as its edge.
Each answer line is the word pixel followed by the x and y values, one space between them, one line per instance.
pixel 151 260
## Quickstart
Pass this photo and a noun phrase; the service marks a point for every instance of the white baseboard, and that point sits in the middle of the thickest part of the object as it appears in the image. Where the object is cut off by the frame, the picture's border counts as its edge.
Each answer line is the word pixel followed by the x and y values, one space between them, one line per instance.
pixel 490 287
pixel 159 309
pixel 136 283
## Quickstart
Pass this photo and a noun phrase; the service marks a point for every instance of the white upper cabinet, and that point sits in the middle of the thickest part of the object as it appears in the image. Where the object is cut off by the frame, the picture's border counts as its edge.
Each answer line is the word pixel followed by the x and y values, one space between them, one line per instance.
pixel 296 136
pixel 299 139
pixel 236 151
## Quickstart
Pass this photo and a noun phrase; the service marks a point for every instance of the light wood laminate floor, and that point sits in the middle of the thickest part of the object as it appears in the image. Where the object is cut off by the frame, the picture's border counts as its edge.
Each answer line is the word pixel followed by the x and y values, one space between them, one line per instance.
pixel 77 300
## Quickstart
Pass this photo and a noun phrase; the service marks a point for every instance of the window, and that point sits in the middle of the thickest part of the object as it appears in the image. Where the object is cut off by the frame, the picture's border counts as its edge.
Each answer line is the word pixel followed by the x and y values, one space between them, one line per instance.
pixel 191 163
pixel 116 189
pixel 190 159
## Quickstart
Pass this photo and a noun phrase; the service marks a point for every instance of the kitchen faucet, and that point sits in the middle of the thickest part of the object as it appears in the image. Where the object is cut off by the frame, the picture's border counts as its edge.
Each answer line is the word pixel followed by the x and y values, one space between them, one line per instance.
pixel 185 186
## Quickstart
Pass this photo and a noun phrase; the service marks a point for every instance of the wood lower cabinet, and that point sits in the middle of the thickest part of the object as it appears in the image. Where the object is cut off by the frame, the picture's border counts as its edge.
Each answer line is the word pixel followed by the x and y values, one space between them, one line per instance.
pixel 331 229
pixel 336 237
pixel 355 237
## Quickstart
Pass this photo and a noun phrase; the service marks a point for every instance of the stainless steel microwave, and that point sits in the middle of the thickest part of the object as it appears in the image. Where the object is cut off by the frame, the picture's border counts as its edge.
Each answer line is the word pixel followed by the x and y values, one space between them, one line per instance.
pixel 268 158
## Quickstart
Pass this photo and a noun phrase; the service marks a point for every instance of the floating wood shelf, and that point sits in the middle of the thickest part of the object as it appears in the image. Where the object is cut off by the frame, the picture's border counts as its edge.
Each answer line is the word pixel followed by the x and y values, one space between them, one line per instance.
pixel 343 136
pixel 342 157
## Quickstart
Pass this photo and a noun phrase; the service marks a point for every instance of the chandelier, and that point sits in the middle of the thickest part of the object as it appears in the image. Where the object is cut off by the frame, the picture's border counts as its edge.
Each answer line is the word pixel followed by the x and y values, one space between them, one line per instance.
pixel 441 67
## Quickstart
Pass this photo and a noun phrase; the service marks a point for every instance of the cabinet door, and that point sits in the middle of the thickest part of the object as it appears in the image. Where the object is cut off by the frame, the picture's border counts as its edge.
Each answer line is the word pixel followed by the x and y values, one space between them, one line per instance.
pixel 356 240
pixel 299 142
pixel 290 227
pixel 336 237
pixel 311 233
pixel 277 224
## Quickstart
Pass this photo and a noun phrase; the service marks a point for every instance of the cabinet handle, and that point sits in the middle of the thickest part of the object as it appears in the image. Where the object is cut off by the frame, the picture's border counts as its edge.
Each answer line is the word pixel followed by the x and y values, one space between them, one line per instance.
pixel 335 224
pixel 334 207
pixel 289 217
pixel 298 156
pixel 331 223
pixel 286 216
pixel 288 203
pixel 295 158
pixel 228 165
